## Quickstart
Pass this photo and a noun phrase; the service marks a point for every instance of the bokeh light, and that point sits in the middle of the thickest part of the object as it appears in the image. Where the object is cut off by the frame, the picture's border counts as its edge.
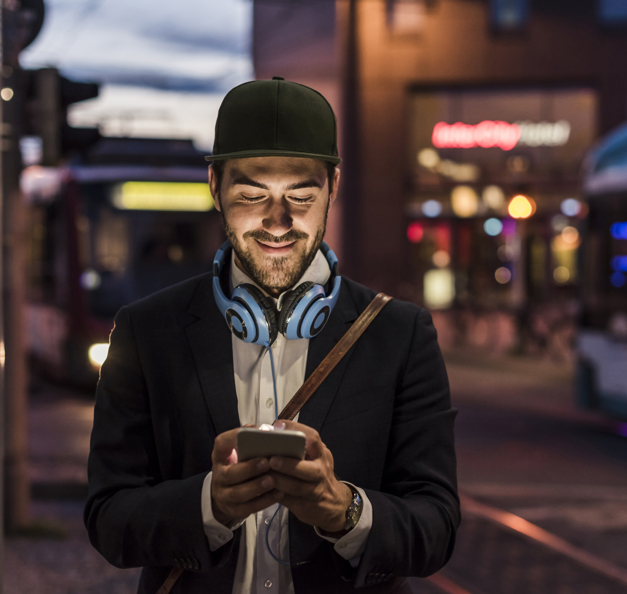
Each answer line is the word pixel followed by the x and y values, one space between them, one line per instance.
pixel 570 235
pixel 561 275
pixel 432 208
pixel 509 228
pixel 464 201
pixel 619 263
pixel 90 280
pixel 570 207
pixel 493 197
pixel 428 158
pixel 441 259
pixel 503 275
pixel 619 230
pixel 98 353
pixel 439 288
pixel 618 279
pixel 415 232
pixel 493 227
pixel 521 207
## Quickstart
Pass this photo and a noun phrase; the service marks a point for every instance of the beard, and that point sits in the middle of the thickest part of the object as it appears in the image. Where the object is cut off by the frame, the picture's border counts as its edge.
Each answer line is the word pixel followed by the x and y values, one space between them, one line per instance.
pixel 276 274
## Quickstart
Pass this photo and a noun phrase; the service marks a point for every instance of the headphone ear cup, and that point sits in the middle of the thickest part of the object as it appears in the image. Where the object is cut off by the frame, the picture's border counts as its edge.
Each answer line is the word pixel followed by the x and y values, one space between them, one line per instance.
pixel 267 306
pixel 290 301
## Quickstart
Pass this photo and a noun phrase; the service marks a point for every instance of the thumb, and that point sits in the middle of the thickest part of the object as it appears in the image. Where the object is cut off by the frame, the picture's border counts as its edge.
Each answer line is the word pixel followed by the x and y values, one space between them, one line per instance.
pixel 224 447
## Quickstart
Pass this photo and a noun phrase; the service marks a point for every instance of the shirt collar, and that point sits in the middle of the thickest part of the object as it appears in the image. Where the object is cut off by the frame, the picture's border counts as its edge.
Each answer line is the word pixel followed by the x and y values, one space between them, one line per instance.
pixel 318 273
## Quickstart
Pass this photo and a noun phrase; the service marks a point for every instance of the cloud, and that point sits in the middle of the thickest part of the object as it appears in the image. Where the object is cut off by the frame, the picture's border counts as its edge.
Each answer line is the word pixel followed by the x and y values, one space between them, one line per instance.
pixel 191 45
pixel 139 111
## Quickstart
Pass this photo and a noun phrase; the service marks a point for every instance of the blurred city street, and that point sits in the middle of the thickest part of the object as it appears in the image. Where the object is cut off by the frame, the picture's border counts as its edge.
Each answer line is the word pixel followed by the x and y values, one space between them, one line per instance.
pixel 482 147
pixel 522 448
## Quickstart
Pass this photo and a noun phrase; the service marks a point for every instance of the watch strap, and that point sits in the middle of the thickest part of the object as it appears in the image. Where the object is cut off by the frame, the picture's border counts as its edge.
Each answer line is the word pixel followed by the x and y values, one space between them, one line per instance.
pixel 353 513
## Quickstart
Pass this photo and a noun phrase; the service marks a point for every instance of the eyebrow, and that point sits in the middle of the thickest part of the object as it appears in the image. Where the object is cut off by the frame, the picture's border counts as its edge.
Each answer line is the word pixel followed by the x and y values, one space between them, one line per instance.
pixel 244 180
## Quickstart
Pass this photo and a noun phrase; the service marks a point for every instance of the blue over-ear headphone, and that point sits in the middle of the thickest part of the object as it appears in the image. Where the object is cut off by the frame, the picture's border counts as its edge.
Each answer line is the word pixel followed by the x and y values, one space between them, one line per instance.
pixel 252 317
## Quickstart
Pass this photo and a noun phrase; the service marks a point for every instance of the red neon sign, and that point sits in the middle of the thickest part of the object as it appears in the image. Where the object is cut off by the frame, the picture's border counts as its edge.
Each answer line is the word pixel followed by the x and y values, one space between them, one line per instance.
pixel 486 134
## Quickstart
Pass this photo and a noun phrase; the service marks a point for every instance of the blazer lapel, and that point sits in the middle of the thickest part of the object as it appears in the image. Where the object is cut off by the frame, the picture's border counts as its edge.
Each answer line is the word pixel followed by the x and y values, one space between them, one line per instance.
pixel 210 341
pixel 344 314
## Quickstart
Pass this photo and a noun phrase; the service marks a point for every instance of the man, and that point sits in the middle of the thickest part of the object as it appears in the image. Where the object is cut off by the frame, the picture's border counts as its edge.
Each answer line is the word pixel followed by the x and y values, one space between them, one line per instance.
pixel 375 499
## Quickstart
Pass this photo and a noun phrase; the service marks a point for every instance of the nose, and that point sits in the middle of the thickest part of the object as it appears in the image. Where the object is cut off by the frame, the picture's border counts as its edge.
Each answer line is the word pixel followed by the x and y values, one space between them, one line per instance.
pixel 277 218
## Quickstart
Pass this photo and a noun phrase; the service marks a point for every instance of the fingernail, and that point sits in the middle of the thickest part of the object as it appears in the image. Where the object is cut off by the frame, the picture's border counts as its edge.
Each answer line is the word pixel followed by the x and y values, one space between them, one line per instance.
pixel 262 465
pixel 279 425
pixel 266 483
pixel 276 463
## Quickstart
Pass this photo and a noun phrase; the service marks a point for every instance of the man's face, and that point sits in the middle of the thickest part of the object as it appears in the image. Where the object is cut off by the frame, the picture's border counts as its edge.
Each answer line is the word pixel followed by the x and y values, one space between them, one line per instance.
pixel 274 211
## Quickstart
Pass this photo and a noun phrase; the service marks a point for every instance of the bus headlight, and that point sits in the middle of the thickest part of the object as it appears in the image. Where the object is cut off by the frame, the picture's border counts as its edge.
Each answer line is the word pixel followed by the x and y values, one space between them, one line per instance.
pixel 98 353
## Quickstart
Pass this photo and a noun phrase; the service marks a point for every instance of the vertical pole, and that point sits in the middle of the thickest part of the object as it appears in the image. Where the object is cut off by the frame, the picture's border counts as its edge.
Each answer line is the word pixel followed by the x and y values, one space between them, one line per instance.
pixel 12 346
pixel 2 403
pixel 351 173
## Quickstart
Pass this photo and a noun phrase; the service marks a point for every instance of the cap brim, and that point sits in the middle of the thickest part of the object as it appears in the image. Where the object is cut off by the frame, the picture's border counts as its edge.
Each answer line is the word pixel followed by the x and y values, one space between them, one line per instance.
pixel 272 153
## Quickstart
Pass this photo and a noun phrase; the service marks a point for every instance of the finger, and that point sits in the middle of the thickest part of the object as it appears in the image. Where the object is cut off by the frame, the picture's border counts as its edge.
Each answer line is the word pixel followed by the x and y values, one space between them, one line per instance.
pixel 296 487
pixel 305 470
pixel 223 446
pixel 314 446
pixel 234 474
pixel 243 510
pixel 244 492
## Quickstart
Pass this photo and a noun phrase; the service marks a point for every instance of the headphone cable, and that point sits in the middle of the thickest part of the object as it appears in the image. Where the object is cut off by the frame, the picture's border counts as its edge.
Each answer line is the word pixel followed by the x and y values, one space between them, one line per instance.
pixel 276 418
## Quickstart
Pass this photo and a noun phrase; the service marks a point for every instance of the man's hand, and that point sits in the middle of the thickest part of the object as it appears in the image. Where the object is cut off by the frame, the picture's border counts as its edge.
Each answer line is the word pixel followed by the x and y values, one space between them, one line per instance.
pixel 309 487
pixel 238 489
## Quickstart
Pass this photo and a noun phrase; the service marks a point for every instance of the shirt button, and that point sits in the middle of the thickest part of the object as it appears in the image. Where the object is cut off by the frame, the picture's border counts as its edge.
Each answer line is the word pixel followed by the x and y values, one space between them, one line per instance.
pixel 268 584
pixel 266 521
pixel 269 403
pixel 222 537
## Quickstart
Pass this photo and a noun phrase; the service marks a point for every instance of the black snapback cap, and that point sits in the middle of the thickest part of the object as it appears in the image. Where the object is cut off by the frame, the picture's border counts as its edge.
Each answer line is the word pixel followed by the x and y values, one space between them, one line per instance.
pixel 275 118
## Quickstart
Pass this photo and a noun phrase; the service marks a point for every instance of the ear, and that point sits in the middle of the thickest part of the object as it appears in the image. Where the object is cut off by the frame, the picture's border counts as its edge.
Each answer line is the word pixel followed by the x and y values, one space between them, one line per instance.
pixel 336 183
pixel 213 186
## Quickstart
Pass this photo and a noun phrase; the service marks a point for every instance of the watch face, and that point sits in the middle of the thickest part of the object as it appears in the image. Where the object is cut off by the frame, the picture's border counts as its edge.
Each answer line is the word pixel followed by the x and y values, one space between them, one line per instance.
pixel 353 513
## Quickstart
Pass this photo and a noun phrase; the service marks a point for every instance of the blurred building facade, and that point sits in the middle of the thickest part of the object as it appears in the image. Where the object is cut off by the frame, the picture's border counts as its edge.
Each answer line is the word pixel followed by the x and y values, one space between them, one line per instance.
pixel 448 110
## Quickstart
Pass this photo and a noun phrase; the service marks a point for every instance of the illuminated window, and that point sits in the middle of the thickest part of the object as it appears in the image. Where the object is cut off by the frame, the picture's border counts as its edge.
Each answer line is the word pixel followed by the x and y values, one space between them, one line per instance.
pixel 406 16
pixel 612 12
pixel 509 15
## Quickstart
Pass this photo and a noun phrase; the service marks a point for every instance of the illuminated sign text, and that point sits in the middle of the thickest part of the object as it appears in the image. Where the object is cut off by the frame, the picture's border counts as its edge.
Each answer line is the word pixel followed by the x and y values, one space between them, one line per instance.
pixel 495 133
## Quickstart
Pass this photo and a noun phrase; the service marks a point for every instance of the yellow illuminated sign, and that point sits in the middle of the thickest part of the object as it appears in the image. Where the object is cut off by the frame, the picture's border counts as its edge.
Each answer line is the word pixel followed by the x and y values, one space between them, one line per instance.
pixel 175 196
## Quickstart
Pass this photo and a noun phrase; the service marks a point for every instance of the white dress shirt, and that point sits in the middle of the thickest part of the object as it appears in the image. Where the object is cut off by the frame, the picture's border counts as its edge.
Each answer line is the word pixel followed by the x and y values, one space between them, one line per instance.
pixel 257 571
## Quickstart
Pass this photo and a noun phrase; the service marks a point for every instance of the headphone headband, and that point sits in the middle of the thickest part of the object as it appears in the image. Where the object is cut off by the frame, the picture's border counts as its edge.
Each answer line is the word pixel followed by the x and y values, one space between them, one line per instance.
pixel 252 317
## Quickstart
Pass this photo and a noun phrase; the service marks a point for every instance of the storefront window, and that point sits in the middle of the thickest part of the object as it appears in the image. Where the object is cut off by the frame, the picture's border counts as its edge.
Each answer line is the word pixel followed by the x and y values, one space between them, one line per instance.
pixel 492 169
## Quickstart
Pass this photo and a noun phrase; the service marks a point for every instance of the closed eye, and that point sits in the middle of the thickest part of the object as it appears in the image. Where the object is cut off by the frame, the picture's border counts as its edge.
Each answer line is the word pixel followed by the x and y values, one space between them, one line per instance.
pixel 300 200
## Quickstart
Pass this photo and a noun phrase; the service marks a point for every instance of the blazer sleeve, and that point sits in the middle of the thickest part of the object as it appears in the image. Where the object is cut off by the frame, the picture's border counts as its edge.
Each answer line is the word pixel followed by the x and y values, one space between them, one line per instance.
pixel 135 518
pixel 416 512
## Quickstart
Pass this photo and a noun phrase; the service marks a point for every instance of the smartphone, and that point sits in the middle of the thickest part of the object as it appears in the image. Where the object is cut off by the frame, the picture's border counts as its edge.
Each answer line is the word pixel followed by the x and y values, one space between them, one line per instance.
pixel 256 443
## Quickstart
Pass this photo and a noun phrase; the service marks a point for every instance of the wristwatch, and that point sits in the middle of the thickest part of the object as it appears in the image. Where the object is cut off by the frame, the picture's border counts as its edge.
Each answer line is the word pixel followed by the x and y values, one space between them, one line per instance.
pixel 353 513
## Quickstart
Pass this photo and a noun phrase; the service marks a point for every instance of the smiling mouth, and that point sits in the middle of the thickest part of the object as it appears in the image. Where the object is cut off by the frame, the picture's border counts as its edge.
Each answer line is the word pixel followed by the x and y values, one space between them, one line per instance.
pixel 276 248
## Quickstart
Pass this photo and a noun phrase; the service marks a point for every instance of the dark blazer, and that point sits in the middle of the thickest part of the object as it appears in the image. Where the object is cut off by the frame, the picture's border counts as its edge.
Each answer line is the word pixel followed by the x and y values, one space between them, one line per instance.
pixel 167 389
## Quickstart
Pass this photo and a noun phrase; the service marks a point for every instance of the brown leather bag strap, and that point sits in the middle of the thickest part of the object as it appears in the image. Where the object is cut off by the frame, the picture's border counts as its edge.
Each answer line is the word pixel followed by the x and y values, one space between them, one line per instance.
pixel 319 374
pixel 312 384
pixel 172 578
